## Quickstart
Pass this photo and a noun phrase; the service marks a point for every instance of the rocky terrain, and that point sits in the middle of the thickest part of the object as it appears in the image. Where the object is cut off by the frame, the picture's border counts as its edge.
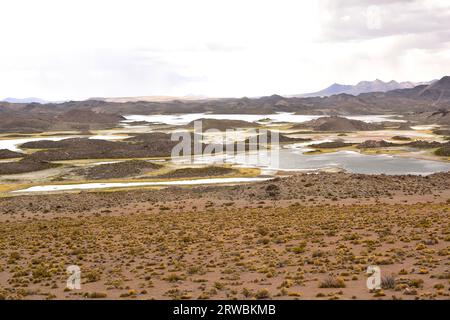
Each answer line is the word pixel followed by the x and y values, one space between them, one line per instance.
pixel 370 144
pixel 440 116
pixel 25 165
pixel 88 117
pixel 210 171
pixel 332 145
pixel 401 138
pixel 34 118
pixel 305 188
pixel 8 154
pixel 282 138
pixel 221 125
pixel 337 124
pixel 83 148
pixel 418 144
pixel 117 170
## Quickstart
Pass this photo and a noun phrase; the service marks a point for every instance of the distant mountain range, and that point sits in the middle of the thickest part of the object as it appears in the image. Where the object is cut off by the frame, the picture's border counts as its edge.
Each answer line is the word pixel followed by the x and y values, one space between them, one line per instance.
pixel 363 87
pixel 150 98
pixel 24 100
pixel 423 104
pixel 335 89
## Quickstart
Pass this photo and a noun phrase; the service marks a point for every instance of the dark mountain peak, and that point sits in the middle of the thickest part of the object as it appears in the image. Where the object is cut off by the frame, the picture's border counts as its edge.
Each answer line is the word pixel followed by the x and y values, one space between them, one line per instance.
pixel 445 80
pixel 368 83
pixel 276 96
pixel 272 99
pixel 438 90
pixel 439 82
pixel 443 83
pixel 337 85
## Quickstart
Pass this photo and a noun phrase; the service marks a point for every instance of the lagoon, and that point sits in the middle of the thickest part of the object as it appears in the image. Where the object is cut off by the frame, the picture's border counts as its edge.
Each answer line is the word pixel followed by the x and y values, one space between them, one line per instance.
pixel 183 119
pixel 83 186
pixel 295 159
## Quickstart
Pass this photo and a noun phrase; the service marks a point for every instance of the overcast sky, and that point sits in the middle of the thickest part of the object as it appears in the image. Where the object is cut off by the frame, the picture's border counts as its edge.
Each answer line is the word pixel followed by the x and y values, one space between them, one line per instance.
pixel 76 49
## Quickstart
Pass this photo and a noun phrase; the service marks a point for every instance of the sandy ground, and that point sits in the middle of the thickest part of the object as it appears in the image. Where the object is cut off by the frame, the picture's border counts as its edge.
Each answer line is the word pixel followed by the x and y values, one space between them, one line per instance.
pixel 282 253
pixel 180 243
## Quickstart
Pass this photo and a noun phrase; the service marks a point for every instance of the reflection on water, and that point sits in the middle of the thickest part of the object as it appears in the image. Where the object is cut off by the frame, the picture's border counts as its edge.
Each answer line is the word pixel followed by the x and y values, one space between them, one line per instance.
pixel 294 160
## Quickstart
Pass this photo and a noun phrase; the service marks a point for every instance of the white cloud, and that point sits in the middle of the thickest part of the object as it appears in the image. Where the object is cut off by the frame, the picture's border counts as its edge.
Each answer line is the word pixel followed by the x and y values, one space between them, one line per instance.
pixel 79 49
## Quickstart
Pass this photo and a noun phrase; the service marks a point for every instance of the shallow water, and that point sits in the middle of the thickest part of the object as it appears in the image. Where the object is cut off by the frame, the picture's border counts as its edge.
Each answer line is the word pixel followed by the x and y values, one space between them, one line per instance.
pixel 108 137
pixel 425 127
pixel 183 119
pixel 292 159
pixel 49 188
